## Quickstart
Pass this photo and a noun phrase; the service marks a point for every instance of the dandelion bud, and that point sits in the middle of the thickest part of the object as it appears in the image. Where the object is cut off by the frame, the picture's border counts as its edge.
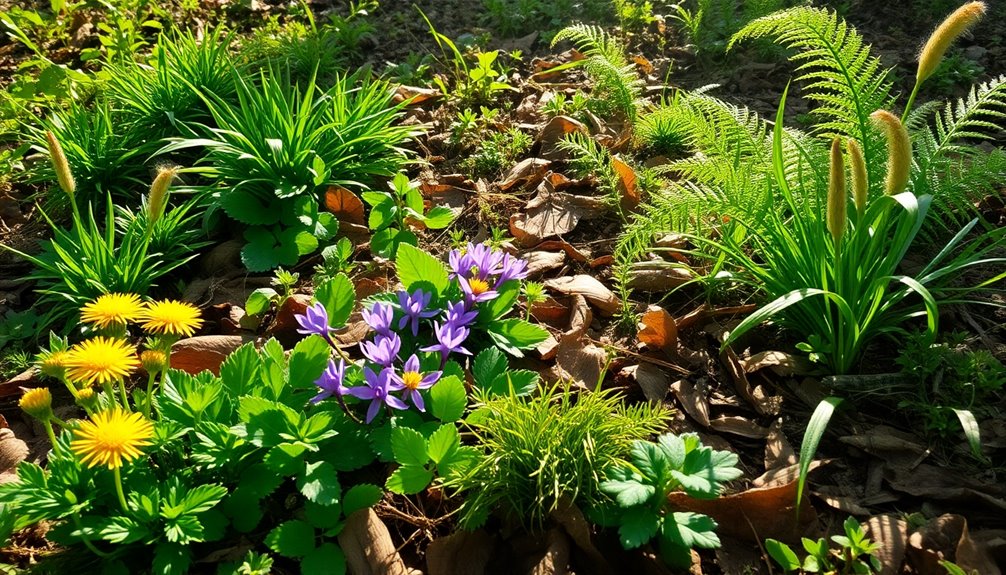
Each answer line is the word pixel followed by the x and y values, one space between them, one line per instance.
pixel 860 184
pixel 87 399
pixel 153 361
pixel 53 364
pixel 159 193
pixel 63 174
pixel 899 151
pixel 836 192
pixel 37 403
pixel 955 24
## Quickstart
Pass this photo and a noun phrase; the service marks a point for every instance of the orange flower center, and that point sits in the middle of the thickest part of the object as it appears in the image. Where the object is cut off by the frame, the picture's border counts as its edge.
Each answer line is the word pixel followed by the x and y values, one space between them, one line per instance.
pixel 412 379
pixel 478 286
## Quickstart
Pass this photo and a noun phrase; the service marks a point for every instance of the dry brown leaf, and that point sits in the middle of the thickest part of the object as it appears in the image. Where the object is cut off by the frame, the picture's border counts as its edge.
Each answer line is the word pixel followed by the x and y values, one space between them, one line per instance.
pixel 783 475
pixel 892 535
pixel 739 426
pixel 548 348
pixel 755 395
pixel 628 189
pixel 580 361
pixel 345 205
pixel 556 129
pixel 781 363
pixel 552 213
pixel 977 551
pixel 569 516
pixel 644 65
pixel 367 545
pixel 935 541
pixel 556 558
pixel 590 288
pixel 284 325
pixel 778 451
pixel 12 450
pixel 27 378
pixel 539 262
pixel 658 330
pixel 529 171
pixel 552 312
pixel 946 485
pixel 703 312
pixel 692 400
pixel 658 276
pixel 580 317
pixel 577 254
pixel 195 354
pixel 414 95
pixel 460 553
pixel 654 381
pixel 754 515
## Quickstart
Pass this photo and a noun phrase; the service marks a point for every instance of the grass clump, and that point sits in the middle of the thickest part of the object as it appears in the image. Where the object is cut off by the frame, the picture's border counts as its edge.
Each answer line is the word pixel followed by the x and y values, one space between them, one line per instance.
pixel 556 445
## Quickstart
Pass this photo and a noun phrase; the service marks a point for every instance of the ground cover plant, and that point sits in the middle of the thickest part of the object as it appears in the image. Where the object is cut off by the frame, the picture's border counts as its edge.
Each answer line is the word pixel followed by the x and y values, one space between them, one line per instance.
pixel 616 286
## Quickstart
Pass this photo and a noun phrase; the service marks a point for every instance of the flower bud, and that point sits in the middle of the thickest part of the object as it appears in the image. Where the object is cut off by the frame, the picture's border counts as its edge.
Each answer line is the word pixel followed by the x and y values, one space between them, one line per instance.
pixel 153 361
pixel 899 151
pixel 37 403
pixel 955 24
pixel 62 168
pixel 87 399
pixel 860 182
pixel 53 364
pixel 158 199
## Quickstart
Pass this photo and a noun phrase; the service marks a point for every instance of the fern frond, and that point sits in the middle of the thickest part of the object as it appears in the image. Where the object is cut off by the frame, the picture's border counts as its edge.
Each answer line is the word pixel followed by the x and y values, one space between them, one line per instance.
pixel 838 70
pixel 972 117
pixel 617 87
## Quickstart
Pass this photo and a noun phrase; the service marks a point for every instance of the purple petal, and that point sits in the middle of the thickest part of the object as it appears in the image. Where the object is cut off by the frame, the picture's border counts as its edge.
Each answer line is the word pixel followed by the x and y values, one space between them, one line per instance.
pixel 375 406
pixel 362 392
pixel 429 379
pixel 395 402
pixel 321 396
pixel 412 364
pixel 417 399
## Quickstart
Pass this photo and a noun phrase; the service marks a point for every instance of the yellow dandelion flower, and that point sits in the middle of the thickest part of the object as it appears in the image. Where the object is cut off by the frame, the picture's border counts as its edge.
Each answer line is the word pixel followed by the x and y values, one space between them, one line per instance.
pixel 171 318
pixel 101 360
pixel 54 364
pixel 112 309
pixel 111 437
pixel 37 403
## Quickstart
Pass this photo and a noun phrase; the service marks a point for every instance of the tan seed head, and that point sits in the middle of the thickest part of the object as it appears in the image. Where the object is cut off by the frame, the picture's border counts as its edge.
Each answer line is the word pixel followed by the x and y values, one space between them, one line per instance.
pixel 949 30
pixel 899 151
pixel 860 182
pixel 836 192
pixel 63 174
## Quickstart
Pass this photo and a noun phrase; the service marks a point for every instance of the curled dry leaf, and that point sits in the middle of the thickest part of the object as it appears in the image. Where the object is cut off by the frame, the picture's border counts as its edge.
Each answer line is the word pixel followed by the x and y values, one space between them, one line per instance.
pixel 548 348
pixel 415 95
pixel 778 451
pixel 651 379
pixel 756 514
pixel 555 130
pixel 368 547
pixel 580 317
pixel 345 205
pixel 569 516
pixel 552 311
pixel 658 330
pixel 27 378
pixel 577 254
pixel 589 287
pixel 12 450
pixel 739 426
pixel 553 213
pixel 754 395
pixel 693 400
pixel 580 361
pixel 195 354
pixel 529 171
pixel 892 535
pixel 782 364
pixel 539 262
pixel 628 188
pixel 658 276
pixel 285 325
pixel 783 475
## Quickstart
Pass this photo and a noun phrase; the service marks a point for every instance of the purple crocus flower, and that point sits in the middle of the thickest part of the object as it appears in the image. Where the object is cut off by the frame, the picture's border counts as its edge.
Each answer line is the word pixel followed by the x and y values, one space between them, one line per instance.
pixel 383 350
pixel 412 380
pixel 379 317
pixel 314 321
pixel 457 314
pixel 376 390
pixel 476 289
pixel 449 339
pixel 511 269
pixel 414 307
pixel 485 260
pixel 331 380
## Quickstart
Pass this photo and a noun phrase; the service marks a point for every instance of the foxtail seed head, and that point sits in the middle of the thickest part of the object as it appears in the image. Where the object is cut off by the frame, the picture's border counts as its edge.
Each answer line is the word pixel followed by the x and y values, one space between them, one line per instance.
pixel 159 193
pixel 955 24
pixel 860 183
pixel 836 192
pixel 899 151
pixel 63 174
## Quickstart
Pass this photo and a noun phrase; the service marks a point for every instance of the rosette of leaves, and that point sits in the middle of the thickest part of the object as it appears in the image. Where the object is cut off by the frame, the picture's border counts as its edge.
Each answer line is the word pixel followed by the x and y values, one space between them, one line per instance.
pixel 239 457
pixel 641 510
pixel 391 213
pixel 272 151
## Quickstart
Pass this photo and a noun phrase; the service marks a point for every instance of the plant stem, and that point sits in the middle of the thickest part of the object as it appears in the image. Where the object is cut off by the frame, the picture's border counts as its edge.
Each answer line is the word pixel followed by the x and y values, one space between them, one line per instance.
pixel 911 100
pixel 85 538
pixel 118 490
pixel 107 386
pixel 122 393
pixel 150 399
pixel 52 436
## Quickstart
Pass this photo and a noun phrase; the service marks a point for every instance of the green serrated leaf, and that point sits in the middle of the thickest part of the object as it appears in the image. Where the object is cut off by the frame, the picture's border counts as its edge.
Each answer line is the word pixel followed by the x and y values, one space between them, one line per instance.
pixel 448 399
pixel 444 441
pixel 360 497
pixel 326 559
pixel 639 525
pixel 518 382
pixel 409 446
pixel 488 364
pixel 320 483
pixel 249 209
pixel 259 301
pixel 414 265
pixel 691 530
pixel 307 360
pixel 782 554
pixel 338 296
pixel 409 479
pixel 291 539
pixel 438 217
pixel 514 335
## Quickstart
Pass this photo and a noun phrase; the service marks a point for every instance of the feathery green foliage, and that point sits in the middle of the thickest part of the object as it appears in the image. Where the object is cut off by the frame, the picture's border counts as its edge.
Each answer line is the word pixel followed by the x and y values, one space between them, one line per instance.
pixel 617 88
pixel 537 451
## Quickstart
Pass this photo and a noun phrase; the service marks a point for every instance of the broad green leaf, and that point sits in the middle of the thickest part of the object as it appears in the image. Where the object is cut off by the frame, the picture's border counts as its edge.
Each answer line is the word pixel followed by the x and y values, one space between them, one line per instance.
pixel 360 497
pixel 513 335
pixel 438 217
pixel 488 364
pixel 811 439
pixel 320 483
pixel 248 208
pixel 327 559
pixel 518 382
pixel 639 525
pixel 322 517
pixel 259 301
pixel 782 554
pixel 651 461
pixel 171 559
pixel 409 446
pixel 382 215
pixel 691 530
pixel 448 399
pixel 971 431
pixel 628 492
pixel 409 479
pixel 307 360
pixel 501 304
pixel 414 265
pixel 444 441
pixel 202 498
pixel 338 296
pixel 291 539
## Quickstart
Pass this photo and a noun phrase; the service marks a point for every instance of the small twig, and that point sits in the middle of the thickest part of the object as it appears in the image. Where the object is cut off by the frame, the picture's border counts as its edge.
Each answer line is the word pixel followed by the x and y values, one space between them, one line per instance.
pixel 642 357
